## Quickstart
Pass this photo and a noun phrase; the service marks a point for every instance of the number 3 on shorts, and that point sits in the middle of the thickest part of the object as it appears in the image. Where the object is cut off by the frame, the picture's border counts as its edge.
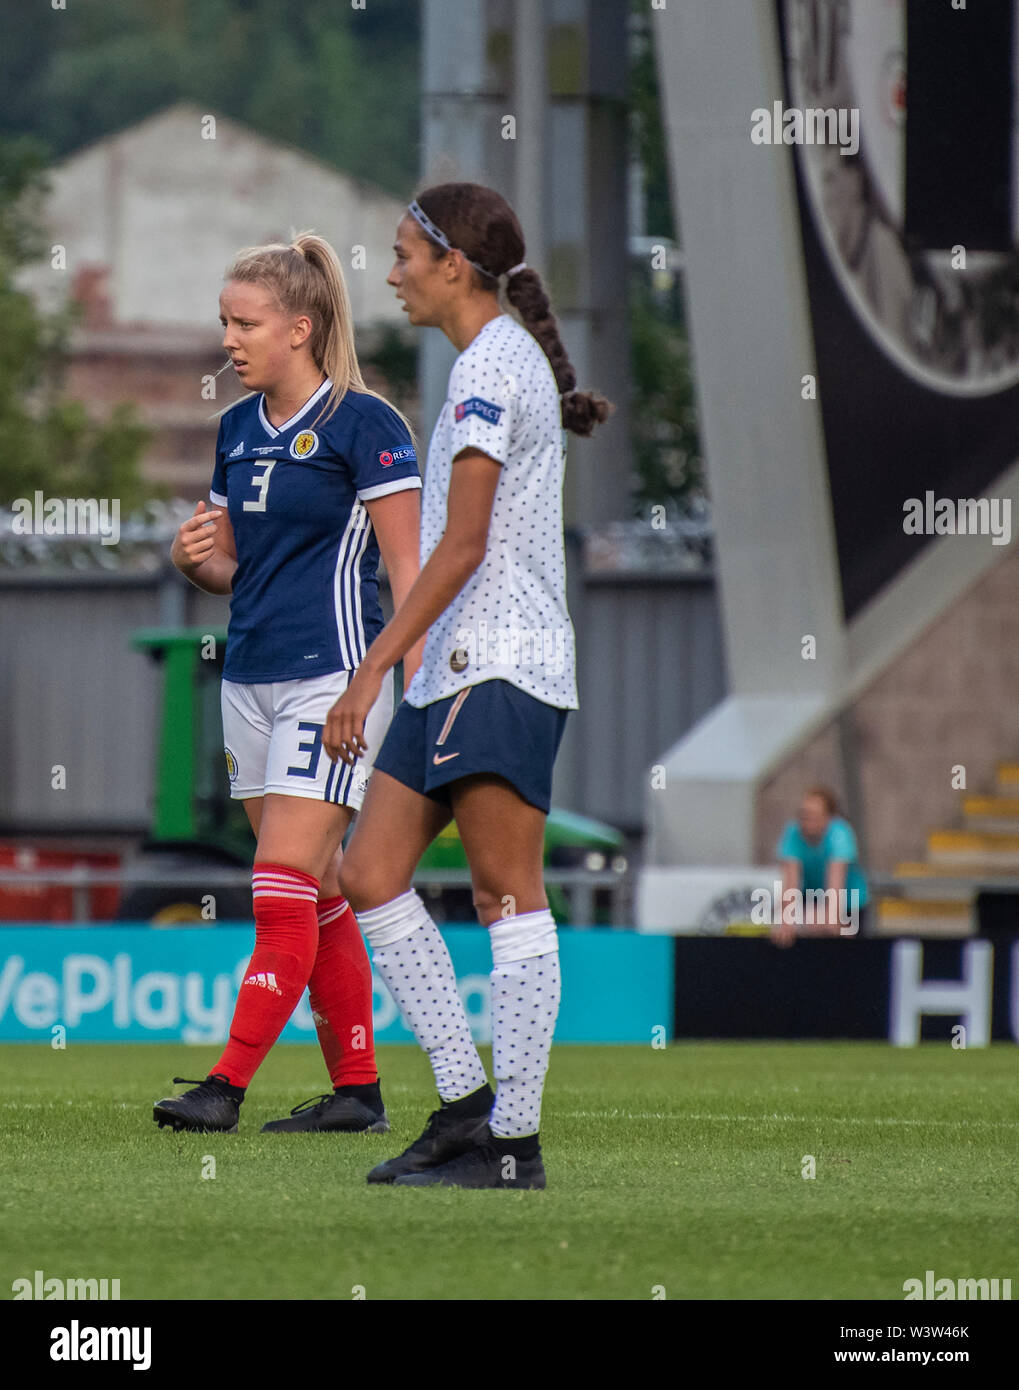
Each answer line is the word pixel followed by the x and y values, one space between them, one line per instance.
pixel 313 748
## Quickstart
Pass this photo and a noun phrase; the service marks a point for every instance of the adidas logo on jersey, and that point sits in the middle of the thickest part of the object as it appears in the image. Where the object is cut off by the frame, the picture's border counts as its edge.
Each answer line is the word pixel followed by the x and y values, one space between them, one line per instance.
pixel 236 453
pixel 264 981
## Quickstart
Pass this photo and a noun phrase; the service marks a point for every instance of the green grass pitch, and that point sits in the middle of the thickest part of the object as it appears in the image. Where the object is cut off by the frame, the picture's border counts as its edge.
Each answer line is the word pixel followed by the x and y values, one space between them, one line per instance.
pixel 678 1170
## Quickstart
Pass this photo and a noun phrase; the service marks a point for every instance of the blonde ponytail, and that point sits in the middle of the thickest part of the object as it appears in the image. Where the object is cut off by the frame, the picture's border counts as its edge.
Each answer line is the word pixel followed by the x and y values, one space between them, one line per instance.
pixel 306 278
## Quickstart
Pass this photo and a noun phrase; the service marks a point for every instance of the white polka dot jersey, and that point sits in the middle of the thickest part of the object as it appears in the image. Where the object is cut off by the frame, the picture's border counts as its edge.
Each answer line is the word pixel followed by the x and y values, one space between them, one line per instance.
pixel 510 621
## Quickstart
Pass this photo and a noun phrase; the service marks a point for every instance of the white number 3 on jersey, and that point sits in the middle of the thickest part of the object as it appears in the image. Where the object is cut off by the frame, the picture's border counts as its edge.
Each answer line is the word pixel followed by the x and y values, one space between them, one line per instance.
pixel 261 481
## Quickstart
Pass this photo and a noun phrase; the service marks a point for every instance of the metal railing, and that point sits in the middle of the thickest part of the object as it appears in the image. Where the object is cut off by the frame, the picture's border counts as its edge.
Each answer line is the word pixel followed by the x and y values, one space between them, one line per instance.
pixel 580 885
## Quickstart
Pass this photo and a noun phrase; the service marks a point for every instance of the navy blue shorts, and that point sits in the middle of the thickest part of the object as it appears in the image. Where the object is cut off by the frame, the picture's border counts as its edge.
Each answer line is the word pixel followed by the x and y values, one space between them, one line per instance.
pixel 491 727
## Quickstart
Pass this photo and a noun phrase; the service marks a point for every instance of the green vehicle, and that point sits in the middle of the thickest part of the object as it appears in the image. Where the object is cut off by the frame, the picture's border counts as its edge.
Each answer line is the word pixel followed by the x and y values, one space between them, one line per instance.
pixel 199 834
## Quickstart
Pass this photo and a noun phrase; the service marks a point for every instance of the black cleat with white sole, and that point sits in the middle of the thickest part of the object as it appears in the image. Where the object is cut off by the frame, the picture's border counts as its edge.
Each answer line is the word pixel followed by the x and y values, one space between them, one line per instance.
pixel 449 1132
pixel 332 1114
pixel 483 1165
pixel 213 1106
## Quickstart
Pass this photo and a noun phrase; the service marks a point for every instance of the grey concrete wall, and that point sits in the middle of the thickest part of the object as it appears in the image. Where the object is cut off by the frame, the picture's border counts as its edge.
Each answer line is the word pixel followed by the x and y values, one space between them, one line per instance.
pixel 650 663
pixel 752 344
pixel 771 508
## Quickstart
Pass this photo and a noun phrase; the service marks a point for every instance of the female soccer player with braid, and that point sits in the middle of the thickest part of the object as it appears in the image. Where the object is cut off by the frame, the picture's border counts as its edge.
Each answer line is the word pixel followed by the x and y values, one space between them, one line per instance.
pixel 478 730
pixel 315 476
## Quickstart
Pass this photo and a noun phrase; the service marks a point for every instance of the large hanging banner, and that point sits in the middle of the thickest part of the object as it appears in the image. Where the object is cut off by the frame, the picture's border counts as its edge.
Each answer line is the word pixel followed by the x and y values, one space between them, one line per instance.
pixel 901 115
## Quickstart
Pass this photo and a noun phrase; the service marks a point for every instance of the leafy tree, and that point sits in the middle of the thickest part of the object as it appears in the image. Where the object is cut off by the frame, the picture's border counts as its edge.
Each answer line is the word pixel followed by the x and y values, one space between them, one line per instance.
pixel 395 358
pixel 47 441
pixel 339 83
pixel 647 135
pixel 664 431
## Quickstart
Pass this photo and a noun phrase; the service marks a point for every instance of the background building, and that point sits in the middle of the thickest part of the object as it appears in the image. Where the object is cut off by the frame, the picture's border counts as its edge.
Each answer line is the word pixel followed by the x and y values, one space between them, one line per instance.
pixel 149 219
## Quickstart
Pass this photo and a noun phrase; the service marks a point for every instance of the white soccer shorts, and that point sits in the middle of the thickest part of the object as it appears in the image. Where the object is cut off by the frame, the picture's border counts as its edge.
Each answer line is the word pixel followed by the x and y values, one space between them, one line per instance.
pixel 272 736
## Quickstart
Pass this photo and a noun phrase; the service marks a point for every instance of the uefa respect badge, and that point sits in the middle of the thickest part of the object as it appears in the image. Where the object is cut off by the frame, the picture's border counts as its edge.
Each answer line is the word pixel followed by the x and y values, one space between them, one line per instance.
pixel 475 405
pixel 404 454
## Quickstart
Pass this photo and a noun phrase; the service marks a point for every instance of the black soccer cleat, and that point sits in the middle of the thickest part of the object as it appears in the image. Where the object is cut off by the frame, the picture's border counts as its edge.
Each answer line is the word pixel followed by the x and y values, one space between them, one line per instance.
pixel 482 1165
pixel 212 1107
pixel 448 1133
pixel 332 1113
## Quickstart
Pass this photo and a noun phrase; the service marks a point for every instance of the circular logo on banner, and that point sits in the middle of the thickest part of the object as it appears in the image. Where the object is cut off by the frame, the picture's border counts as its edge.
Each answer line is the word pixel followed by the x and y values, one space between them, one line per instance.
pixel 231 765
pixel 730 915
pixel 385 458
pixel 304 444
pixel 950 322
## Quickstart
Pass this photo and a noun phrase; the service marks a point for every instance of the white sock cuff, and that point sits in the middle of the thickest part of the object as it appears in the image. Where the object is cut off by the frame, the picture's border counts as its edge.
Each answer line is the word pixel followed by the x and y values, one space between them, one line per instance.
pixel 523 937
pixel 393 921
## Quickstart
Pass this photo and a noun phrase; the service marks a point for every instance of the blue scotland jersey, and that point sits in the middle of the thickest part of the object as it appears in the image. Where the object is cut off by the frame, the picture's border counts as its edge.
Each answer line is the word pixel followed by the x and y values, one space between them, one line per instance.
pixel 305 592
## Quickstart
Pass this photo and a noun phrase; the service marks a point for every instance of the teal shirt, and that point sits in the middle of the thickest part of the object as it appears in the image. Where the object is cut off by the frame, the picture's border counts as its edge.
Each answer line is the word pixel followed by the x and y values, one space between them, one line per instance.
pixel 838 842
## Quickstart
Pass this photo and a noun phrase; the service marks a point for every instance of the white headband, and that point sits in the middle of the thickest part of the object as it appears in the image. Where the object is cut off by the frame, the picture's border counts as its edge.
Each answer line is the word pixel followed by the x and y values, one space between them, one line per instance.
pixel 421 217
pixel 418 213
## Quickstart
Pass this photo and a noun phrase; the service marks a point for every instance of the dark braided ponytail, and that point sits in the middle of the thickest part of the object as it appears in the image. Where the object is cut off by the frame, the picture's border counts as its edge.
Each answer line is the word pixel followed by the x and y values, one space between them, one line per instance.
pixel 582 410
pixel 479 222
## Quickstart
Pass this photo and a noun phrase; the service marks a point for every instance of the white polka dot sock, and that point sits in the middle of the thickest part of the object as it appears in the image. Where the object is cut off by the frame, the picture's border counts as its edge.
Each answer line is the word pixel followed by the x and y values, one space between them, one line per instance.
pixel 411 956
pixel 525 1004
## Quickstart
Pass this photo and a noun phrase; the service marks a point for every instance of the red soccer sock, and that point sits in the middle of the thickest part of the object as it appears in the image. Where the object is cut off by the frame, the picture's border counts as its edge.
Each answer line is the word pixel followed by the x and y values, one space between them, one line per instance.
pixel 286 939
pixel 341 996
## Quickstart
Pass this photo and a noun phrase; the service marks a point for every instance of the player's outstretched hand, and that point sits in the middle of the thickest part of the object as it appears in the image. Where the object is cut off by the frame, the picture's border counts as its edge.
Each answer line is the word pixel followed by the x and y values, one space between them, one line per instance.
pixel 195 541
pixel 343 738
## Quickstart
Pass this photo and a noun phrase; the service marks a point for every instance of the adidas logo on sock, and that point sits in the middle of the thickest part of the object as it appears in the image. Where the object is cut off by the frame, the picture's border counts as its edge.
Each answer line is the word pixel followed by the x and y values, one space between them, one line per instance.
pixel 233 454
pixel 264 981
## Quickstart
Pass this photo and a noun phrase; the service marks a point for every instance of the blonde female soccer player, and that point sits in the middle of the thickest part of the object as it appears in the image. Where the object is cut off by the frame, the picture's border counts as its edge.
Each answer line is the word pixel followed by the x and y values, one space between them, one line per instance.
pixel 315 476
pixel 477 732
